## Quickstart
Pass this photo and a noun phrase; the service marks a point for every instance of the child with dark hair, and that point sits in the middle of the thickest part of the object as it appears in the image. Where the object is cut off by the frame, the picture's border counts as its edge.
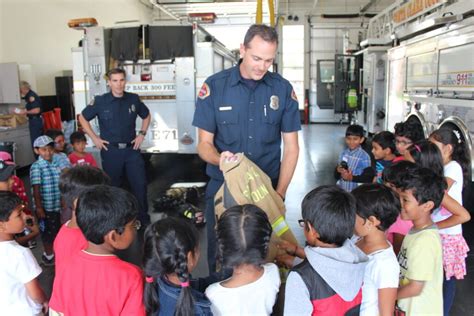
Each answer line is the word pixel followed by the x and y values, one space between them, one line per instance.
pixel 377 209
pixel 455 167
pixel 407 133
pixel 354 165
pixel 72 183
pixel 243 236
pixel 60 145
pixel 94 281
pixel 329 281
pixel 420 258
pixel 57 135
pixel 44 179
pixel 10 182
pixel 383 149
pixel 171 253
pixel 426 154
pixel 79 156
pixel 20 291
pixel 392 177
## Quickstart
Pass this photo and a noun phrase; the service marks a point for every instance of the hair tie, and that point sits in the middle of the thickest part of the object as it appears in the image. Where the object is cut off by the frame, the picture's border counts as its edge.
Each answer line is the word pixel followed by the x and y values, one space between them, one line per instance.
pixel 458 135
pixel 418 149
pixel 184 284
pixel 149 279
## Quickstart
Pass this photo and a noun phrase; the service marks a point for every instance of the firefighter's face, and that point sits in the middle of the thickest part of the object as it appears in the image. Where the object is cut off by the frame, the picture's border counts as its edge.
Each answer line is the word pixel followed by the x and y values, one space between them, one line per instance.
pixel 257 57
pixel 117 84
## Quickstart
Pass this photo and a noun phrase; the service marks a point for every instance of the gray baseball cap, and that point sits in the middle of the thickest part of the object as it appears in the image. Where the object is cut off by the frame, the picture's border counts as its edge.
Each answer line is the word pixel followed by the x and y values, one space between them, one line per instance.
pixel 43 141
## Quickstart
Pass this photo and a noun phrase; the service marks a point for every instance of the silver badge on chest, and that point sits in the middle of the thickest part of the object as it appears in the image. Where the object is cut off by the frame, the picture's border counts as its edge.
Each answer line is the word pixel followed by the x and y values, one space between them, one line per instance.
pixel 132 108
pixel 274 102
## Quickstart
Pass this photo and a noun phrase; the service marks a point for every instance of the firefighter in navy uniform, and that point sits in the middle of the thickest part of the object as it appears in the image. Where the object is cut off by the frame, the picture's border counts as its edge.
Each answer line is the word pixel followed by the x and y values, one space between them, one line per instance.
pixel 118 142
pixel 33 109
pixel 247 109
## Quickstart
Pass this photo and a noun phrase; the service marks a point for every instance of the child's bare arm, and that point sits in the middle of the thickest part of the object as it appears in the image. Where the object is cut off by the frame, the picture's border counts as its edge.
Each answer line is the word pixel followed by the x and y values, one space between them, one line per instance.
pixel 413 288
pixel 387 297
pixel 38 203
pixel 291 249
pixel 36 293
pixel 459 214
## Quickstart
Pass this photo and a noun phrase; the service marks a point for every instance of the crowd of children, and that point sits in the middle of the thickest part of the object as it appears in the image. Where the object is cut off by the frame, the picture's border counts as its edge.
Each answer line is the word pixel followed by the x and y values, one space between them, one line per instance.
pixel 387 239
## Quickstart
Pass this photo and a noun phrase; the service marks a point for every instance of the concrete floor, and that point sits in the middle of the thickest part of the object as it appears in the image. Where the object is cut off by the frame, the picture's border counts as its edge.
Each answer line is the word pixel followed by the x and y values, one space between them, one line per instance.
pixel 320 146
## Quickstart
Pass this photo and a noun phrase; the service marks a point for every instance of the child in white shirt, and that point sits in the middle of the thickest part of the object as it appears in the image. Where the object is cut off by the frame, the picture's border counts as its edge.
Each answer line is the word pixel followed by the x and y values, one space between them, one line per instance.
pixel 377 209
pixel 20 292
pixel 243 235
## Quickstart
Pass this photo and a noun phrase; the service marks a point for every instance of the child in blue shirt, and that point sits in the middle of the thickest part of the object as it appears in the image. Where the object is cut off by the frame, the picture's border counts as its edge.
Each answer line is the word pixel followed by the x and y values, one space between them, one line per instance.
pixel 44 178
pixel 354 165
pixel 383 149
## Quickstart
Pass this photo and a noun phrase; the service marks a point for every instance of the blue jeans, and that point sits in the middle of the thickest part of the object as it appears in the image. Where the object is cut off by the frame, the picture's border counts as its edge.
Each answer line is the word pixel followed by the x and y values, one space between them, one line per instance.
pixel 449 290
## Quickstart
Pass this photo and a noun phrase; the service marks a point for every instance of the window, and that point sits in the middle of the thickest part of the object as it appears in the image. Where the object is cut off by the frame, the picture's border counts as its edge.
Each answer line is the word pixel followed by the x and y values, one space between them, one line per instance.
pixel 293 59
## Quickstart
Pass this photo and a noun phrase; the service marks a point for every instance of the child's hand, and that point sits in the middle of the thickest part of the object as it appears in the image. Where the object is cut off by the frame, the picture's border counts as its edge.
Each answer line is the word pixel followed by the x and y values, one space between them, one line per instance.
pixel 285 261
pixel 45 307
pixel 40 213
pixel 287 246
pixel 346 175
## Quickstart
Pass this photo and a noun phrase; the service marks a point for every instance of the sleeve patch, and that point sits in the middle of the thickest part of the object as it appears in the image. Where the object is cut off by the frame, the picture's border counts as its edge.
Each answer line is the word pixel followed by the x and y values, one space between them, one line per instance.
pixel 293 95
pixel 204 92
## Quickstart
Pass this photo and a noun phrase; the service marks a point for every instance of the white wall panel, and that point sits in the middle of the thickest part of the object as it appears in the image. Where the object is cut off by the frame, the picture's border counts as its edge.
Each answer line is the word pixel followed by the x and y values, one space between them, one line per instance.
pixel 35 32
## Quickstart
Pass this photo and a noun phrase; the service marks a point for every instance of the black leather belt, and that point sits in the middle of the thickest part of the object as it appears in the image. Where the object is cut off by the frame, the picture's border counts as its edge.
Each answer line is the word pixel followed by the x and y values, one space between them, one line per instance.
pixel 34 116
pixel 120 145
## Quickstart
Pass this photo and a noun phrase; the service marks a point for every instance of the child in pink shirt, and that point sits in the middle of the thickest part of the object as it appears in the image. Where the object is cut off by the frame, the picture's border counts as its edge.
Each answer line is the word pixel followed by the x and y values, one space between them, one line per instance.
pixel 391 178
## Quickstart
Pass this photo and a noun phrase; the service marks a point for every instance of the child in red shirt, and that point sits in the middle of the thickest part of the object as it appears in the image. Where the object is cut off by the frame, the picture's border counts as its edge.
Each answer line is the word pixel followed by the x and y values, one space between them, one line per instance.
pixel 94 281
pixel 79 156
pixel 72 183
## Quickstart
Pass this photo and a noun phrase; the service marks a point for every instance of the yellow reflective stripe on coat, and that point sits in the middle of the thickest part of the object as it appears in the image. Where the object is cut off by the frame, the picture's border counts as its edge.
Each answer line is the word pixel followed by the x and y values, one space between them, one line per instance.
pixel 280 226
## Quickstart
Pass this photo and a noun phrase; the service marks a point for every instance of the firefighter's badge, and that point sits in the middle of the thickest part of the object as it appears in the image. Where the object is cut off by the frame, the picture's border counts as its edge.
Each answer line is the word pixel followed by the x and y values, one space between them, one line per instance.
pixel 274 102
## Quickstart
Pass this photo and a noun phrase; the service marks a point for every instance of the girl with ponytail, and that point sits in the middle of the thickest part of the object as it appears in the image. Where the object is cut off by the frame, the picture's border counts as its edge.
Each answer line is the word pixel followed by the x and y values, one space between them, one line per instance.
pixel 171 253
pixel 243 236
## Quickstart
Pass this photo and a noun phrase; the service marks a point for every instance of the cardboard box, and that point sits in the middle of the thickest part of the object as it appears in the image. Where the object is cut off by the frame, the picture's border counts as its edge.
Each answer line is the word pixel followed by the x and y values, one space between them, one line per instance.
pixel 12 120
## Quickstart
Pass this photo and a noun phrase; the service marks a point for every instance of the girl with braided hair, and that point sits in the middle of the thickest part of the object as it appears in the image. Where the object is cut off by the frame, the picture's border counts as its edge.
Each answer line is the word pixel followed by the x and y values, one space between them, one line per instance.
pixel 171 253
pixel 243 236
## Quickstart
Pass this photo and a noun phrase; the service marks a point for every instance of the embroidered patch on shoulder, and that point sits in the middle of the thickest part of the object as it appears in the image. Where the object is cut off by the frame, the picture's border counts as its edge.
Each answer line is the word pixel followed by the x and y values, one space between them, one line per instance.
pixel 293 95
pixel 31 99
pixel 204 92
pixel 91 102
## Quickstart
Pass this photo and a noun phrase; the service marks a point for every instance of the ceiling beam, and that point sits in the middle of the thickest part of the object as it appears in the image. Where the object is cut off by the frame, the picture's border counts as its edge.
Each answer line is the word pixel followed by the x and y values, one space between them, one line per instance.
pixel 368 5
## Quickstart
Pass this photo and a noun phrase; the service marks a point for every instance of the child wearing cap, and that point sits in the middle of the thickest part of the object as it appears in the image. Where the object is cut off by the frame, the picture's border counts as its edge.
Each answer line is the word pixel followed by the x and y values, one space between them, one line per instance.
pixel 44 178
pixel 20 292
pixel 10 182
pixel 6 173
